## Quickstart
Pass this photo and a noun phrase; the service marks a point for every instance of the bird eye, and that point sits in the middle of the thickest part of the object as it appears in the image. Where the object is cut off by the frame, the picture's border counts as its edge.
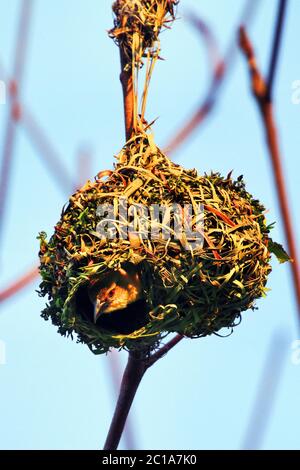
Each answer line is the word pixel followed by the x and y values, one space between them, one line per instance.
pixel 111 293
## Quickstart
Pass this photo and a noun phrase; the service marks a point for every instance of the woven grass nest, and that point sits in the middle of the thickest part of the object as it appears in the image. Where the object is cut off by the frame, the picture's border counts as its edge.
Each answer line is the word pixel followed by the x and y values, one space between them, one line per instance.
pixel 195 292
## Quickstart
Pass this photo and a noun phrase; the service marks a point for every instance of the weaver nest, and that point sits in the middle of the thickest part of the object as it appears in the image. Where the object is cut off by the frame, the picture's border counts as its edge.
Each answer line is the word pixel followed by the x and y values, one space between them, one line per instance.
pixel 194 290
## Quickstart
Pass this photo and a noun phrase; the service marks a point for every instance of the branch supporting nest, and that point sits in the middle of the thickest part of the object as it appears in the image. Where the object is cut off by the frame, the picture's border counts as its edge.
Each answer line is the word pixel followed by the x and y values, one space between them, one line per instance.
pixel 126 79
pixel 136 32
pixel 137 26
pixel 136 367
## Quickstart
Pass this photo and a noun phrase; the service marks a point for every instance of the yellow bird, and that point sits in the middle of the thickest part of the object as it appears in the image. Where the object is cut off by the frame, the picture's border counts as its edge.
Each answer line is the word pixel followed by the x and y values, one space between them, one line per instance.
pixel 115 292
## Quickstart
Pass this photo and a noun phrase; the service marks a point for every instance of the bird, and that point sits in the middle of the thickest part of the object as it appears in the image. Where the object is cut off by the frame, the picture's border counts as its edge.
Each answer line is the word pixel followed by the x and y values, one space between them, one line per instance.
pixel 115 302
pixel 115 292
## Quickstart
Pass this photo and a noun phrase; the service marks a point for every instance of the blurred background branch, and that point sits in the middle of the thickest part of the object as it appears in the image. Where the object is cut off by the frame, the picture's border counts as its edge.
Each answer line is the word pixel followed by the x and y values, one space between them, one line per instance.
pixel 15 87
pixel 220 68
pixel 263 92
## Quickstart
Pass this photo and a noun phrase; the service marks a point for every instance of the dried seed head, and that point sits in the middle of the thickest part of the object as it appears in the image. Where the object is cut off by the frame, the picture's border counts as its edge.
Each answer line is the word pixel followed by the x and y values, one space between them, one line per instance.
pixel 138 24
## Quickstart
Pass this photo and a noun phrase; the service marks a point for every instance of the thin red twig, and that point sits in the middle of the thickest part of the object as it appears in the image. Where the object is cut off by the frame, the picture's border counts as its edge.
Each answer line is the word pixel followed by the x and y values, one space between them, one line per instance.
pixel 220 70
pixel 53 161
pixel 261 95
pixel 84 162
pixel 41 141
pixel 126 79
pixel 47 152
pixel 14 91
pixel 19 285
pixel 51 158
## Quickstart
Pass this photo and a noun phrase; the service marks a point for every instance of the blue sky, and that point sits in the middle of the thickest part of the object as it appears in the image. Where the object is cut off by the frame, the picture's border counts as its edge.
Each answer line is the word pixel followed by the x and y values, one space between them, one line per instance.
pixel 54 393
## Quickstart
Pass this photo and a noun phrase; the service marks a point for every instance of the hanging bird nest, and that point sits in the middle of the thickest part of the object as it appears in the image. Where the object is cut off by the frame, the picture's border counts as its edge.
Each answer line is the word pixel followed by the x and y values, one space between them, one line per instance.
pixel 194 278
pixel 191 289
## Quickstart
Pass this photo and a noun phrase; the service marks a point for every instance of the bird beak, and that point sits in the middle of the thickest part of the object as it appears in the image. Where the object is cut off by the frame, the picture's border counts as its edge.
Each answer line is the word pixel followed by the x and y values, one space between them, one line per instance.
pixel 99 309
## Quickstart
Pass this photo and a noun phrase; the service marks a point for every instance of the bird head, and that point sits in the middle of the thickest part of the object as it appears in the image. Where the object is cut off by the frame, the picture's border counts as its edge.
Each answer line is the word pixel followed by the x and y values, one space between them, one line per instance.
pixel 116 292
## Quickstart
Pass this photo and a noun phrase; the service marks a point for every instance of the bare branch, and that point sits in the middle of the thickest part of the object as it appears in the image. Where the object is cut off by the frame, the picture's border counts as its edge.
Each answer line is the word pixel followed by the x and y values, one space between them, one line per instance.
pixel 282 10
pixel 164 350
pixel 267 390
pixel 10 133
pixel 132 377
pixel 47 152
pixel 220 70
pixel 262 95
pixel 19 284
pixel 137 365
pixel 126 79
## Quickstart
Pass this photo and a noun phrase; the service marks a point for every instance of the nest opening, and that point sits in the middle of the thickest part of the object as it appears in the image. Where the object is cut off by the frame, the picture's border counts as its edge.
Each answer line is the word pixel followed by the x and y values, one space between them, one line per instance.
pixel 121 322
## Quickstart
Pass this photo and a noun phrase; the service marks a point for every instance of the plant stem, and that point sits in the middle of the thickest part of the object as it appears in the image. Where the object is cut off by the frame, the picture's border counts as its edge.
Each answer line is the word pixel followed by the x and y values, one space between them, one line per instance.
pixel 19 284
pixel 164 350
pixel 132 377
pixel 137 363
pixel 13 118
pixel 277 41
pixel 262 96
pixel 220 71
pixel 134 372
pixel 126 79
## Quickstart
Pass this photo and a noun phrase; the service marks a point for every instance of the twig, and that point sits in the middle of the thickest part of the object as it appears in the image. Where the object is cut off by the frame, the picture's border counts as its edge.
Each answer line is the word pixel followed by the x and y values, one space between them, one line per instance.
pixel 136 367
pixel 19 285
pixel 164 350
pixel 130 433
pixel 267 390
pixel 220 70
pixel 10 133
pixel 261 94
pixel 282 10
pixel 84 166
pixel 47 151
pixel 41 141
pixel 126 79
pixel 54 162
pixel 132 377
